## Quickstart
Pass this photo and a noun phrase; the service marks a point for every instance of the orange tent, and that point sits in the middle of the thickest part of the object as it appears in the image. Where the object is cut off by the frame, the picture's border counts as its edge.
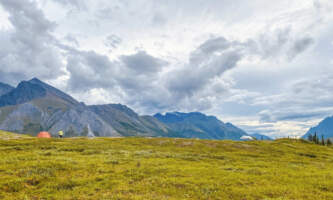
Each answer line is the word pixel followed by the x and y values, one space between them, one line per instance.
pixel 44 135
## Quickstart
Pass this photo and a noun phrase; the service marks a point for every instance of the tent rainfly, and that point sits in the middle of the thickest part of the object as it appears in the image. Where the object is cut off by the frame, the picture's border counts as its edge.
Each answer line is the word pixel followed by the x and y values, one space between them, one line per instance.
pixel 44 135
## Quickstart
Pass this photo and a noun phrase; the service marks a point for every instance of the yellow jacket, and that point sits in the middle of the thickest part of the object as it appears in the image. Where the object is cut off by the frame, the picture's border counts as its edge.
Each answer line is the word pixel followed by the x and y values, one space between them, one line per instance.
pixel 61 133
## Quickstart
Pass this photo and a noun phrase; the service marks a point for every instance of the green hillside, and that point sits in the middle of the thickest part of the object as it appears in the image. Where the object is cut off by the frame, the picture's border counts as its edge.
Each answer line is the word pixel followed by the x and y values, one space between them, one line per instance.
pixel 139 168
pixel 4 135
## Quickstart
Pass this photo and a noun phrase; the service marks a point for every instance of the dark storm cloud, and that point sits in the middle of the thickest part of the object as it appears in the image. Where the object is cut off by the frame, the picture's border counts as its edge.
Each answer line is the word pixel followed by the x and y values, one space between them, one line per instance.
pixel 139 76
pixel 193 78
pixel 28 50
pixel 143 63
pixel 133 74
pixel 89 69
pixel 217 55
pixel 271 44
pixel 211 59
pixel 209 47
pixel 212 45
pixel 27 18
pixel 192 85
pixel 277 44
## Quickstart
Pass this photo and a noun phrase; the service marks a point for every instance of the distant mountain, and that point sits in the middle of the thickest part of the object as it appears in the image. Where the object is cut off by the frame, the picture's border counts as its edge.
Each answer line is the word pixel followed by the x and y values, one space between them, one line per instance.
pixel 260 136
pixel 198 125
pixel 324 128
pixel 5 88
pixel 35 106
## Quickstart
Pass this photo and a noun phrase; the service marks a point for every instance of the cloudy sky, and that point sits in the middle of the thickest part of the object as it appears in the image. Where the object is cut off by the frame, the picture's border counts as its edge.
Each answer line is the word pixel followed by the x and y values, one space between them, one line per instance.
pixel 265 66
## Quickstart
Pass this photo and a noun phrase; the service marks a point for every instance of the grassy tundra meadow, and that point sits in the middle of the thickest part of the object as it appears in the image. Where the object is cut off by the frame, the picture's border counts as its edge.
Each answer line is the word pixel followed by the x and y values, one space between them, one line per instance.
pixel 161 168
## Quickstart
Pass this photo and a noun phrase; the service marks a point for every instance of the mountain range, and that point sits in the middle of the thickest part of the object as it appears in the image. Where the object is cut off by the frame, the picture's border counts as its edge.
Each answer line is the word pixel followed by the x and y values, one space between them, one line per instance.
pixel 198 125
pixel 35 106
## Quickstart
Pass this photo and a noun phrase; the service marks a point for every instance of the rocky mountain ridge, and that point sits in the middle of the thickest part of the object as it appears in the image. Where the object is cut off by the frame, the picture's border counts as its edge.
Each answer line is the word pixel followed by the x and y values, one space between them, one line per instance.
pixel 35 106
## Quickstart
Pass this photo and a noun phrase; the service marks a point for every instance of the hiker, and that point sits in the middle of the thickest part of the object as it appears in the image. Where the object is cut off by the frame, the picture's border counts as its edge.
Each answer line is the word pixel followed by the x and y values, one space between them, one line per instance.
pixel 60 133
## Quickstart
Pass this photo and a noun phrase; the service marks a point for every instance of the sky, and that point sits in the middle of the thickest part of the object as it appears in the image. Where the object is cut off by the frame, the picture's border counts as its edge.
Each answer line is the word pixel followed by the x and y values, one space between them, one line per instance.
pixel 265 66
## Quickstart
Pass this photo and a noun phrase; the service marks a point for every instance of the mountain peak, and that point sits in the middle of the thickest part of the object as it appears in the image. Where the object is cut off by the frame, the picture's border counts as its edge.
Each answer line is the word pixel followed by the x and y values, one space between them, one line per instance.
pixel 24 92
pixel 181 116
pixel 33 89
pixel 35 80
pixel 52 91
pixel 324 128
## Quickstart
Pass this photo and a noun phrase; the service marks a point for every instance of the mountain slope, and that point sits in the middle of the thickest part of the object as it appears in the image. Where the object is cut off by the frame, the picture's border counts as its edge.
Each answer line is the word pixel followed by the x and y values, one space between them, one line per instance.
pixel 129 123
pixel 4 135
pixel 52 115
pixel 5 88
pixel 324 128
pixel 35 106
pixel 198 125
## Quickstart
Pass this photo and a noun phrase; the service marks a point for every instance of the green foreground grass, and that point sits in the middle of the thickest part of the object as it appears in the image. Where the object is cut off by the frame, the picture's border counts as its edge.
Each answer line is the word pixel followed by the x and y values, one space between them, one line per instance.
pixel 142 168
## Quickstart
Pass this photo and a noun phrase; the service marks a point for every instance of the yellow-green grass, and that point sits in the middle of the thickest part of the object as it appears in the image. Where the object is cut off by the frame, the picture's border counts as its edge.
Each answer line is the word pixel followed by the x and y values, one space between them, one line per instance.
pixel 143 168
pixel 4 135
